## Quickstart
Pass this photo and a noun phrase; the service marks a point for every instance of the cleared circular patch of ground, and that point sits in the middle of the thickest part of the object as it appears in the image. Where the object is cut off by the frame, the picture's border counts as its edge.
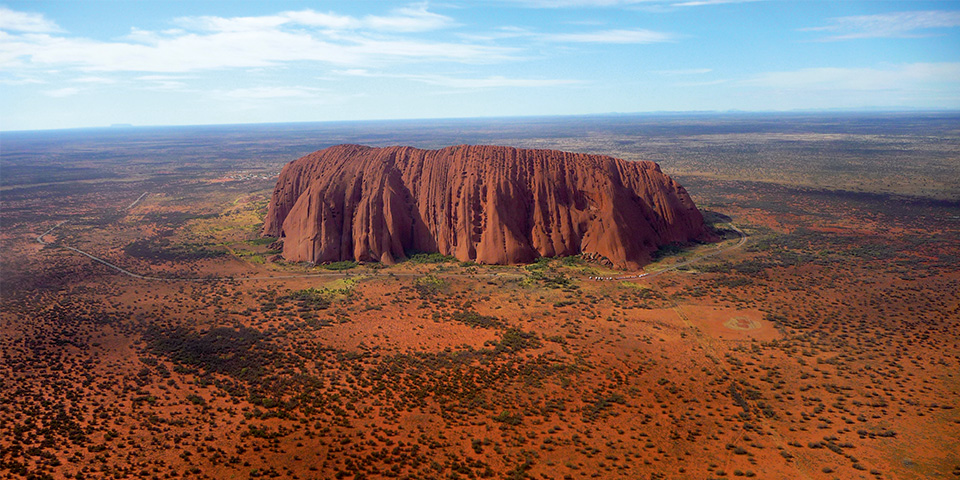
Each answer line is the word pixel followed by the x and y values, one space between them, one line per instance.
pixel 741 323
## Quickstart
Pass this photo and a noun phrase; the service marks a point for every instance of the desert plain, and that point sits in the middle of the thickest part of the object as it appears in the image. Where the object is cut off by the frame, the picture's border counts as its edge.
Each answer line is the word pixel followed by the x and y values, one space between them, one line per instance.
pixel 817 338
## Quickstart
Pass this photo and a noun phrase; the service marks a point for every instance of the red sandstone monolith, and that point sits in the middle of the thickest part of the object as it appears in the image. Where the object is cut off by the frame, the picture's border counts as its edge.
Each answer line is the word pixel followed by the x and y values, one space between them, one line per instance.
pixel 488 204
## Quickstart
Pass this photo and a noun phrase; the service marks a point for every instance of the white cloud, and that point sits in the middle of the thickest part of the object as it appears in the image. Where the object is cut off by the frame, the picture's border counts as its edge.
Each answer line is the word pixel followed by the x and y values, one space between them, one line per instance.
pixel 904 77
pixel 212 43
pixel 499 33
pixel 409 19
pixel 614 36
pixel 356 72
pixel 406 19
pixel 705 83
pixel 160 78
pixel 623 3
pixel 13 20
pixel 95 80
pixel 161 82
pixel 700 3
pixel 21 80
pixel 260 93
pixel 232 24
pixel 62 92
pixel 239 42
pixel 495 81
pixel 369 50
pixel 898 24
pixel 577 3
pixel 330 20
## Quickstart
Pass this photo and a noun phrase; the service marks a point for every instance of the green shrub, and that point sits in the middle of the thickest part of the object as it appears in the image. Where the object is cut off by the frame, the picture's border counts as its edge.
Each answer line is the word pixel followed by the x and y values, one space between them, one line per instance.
pixel 508 418
pixel 434 257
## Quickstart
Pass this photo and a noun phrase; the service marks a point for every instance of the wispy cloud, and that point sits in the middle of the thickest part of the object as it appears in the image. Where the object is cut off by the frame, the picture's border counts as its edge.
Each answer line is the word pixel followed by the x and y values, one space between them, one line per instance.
pixel 95 80
pixel 161 82
pixel 905 77
pixel 271 92
pixel 12 20
pixel 705 83
pixel 415 18
pixel 21 80
pixel 499 34
pixel 62 92
pixel 160 78
pixel 578 3
pixel 207 43
pixel 658 4
pixel 889 25
pixel 614 36
pixel 409 19
pixel 210 43
pixel 700 3
pixel 495 81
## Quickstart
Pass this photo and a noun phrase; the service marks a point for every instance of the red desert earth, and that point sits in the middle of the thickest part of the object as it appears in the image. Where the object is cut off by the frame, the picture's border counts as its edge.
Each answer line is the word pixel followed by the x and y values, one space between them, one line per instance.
pixel 488 204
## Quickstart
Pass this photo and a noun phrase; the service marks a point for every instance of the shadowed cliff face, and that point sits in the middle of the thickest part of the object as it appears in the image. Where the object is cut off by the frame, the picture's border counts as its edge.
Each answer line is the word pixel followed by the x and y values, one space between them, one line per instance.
pixel 495 205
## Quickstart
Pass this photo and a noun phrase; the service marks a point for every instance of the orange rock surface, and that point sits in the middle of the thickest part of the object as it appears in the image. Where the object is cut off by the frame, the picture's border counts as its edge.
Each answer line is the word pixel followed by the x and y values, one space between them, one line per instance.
pixel 489 204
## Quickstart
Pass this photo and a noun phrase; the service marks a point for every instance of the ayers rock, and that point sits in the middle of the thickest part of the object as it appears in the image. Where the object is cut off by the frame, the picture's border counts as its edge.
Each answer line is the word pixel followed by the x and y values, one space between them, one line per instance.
pixel 494 205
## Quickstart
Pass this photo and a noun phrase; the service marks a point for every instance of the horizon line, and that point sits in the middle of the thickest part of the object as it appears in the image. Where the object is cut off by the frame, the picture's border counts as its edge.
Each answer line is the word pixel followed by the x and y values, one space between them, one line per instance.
pixel 865 110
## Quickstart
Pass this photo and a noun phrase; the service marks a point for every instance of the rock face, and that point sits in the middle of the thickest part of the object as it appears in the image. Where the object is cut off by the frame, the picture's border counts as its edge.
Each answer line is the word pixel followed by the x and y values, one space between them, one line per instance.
pixel 493 205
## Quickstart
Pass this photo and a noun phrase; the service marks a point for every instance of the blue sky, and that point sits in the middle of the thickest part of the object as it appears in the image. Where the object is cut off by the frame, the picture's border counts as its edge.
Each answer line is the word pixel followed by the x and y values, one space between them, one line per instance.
pixel 82 64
